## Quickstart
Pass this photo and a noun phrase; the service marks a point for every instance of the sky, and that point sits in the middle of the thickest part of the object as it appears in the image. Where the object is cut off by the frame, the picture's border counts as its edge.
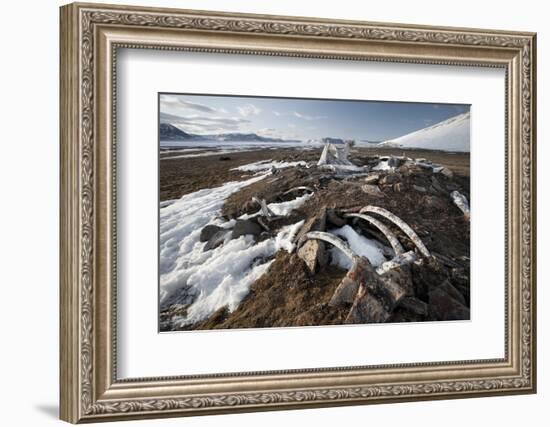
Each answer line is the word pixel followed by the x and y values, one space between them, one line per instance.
pixel 302 119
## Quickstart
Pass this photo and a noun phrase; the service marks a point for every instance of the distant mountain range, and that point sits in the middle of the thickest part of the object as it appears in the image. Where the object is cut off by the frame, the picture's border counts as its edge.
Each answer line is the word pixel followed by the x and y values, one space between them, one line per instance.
pixel 170 132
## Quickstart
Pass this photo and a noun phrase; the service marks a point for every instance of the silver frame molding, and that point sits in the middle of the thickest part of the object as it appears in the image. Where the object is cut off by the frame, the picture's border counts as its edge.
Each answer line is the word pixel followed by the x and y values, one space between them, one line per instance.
pixel 90 37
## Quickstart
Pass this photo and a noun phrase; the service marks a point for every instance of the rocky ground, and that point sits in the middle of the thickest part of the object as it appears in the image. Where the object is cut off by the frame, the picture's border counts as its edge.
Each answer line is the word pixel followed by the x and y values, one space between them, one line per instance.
pixel 305 288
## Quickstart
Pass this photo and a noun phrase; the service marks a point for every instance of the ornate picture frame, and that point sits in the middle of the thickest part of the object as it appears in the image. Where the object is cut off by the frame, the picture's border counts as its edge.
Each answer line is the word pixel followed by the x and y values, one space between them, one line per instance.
pixel 90 37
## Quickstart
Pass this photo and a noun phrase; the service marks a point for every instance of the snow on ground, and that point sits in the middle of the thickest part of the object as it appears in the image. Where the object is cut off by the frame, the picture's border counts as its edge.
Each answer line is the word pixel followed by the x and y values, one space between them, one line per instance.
pixel 450 135
pixel 222 277
pixel 285 208
pixel 219 277
pixel 282 208
pixel 165 150
pixel 180 226
pixel 267 165
pixel 361 245
pixel 383 166
pixel 343 168
pixel 165 203
pixel 202 153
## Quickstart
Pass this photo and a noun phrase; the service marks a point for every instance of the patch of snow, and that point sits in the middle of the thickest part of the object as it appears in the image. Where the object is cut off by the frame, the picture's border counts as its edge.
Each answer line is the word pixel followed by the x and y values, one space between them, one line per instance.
pixel 450 135
pixel 282 208
pixel 285 208
pixel 220 277
pixel 180 226
pixel 362 246
pixel 267 165
pixel 286 237
pixel 383 165
pixel 165 203
pixel 202 154
pixel 343 168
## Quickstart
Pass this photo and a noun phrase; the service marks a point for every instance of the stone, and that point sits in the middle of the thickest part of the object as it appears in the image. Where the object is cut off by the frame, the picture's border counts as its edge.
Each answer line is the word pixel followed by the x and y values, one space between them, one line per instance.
pixel 419 188
pixel 372 179
pixel 313 252
pixel 224 158
pixel 216 240
pixel 460 279
pixel 314 255
pixel 446 172
pixel 334 219
pixel 208 231
pixel 437 185
pixel 443 306
pixel 414 305
pixel 405 169
pixel 377 295
pixel 433 203
pixel 427 276
pixel 367 309
pixel 372 190
pixel 245 226
pixel 452 291
pixel 391 178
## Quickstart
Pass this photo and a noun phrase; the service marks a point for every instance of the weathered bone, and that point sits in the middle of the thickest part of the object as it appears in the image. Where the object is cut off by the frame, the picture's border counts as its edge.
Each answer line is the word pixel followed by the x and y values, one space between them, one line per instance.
pixel 462 202
pixel 313 252
pixel 348 287
pixel 373 296
pixel 396 246
pixel 262 224
pixel 376 296
pixel 301 188
pixel 329 238
pixel 268 213
pixel 401 224
pixel 346 290
pixel 398 261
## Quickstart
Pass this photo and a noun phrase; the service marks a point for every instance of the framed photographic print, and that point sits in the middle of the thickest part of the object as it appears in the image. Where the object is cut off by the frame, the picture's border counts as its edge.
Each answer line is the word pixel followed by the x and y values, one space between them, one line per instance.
pixel 266 212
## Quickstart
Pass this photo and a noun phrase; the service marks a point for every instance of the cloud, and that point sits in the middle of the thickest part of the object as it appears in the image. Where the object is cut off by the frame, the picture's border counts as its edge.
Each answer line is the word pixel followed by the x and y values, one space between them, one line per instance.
pixel 307 117
pixel 249 110
pixel 278 133
pixel 278 113
pixel 178 102
pixel 198 124
pixel 267 132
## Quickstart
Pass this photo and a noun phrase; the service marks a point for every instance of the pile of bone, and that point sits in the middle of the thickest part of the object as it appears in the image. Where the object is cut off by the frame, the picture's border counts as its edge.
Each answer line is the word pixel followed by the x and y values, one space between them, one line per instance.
pixel 374 293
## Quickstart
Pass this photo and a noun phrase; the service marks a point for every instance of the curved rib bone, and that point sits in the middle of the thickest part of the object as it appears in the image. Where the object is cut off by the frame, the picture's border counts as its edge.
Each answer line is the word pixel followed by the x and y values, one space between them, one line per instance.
pixel 374 304
pixel 332 239
pixel 303 188
pixel 398 261
pixel 401 224
pixel 396 246
pixel 347 289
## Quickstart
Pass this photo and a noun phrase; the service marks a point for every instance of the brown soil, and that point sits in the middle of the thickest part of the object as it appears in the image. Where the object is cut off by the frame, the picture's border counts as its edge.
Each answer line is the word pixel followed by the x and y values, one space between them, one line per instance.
pixel 180 176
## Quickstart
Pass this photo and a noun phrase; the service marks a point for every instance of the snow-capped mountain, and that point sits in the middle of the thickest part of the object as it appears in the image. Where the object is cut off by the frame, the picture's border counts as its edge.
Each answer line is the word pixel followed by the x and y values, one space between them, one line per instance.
pixel 449 135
